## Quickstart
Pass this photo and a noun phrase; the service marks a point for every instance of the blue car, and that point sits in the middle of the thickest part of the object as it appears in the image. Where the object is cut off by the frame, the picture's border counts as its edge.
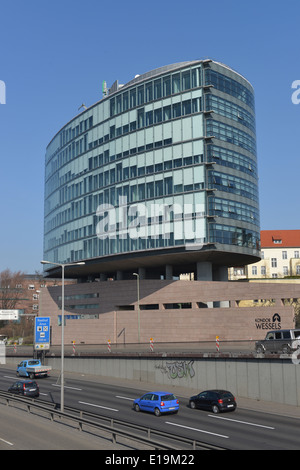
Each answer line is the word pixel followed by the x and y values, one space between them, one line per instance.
pixel 157 403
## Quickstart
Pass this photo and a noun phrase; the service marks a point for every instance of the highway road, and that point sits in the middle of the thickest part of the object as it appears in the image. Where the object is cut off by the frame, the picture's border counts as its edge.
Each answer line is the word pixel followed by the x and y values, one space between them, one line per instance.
pixel 23 431
pixel 240 430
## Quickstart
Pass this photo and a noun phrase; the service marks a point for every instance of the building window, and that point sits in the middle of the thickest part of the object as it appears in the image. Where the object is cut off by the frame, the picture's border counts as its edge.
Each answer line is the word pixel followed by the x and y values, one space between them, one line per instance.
pixel 230 110
pixel 285 271
pixel 274 262
pixel 83 306
pixel 238 271
pixel 141 94
pixel 284 255
pixel 296 254
pixel 149 92
pixel 263 270
pixel 231 134
pixel 166 113
pixel 125 101
pixel 186 80
pixel 149 307
pixel 140 118
pixel 176 83
pixel 230 86
pixel 149 118
pixel 178 305
pixel 176 110
pixel 157 115
pixel 254 270
pixel 133 98
pixel 157 89
pixel 166 85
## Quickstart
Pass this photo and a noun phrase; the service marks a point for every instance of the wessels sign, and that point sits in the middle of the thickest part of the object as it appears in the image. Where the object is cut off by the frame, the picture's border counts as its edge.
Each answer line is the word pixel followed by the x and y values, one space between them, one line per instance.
pixel 273 323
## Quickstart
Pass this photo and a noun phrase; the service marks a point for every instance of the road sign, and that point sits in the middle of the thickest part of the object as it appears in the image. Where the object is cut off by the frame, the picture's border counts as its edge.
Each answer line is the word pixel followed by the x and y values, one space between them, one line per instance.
pixel 9 314
pixel 42 333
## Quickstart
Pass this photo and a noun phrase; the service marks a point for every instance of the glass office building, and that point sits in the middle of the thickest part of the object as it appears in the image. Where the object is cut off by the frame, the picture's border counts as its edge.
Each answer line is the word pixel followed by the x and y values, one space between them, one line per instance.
pixel 158 177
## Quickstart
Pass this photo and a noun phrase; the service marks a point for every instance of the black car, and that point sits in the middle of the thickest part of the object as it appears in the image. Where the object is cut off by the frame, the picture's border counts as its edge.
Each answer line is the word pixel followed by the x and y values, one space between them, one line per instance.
pixel 27 388
pixel 214 400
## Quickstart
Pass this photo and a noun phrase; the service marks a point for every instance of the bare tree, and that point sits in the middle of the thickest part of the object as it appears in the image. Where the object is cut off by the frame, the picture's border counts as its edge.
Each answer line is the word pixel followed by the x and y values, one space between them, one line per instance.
pixel 11 290
pixel 295 303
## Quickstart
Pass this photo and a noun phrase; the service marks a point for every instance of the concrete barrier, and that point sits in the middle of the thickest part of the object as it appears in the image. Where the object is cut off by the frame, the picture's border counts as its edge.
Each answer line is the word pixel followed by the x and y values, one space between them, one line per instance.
pixel 273 380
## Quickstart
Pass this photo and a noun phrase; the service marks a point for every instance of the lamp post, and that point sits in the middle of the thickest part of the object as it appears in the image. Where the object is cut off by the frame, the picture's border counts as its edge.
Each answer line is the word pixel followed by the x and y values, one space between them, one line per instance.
pixel 62 266
pixel 138 304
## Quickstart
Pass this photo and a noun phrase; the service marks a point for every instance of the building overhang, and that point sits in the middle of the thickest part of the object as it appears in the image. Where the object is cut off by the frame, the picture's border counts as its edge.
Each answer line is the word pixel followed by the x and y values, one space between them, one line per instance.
pixel 183 259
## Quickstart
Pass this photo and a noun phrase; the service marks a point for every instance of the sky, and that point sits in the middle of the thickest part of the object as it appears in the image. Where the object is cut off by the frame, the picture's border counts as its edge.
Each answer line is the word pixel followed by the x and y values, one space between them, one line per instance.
pixel 55 55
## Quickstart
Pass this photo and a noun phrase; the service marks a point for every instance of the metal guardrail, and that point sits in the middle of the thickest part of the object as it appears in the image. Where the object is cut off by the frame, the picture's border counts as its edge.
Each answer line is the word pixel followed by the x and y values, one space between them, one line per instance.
pixel 142 434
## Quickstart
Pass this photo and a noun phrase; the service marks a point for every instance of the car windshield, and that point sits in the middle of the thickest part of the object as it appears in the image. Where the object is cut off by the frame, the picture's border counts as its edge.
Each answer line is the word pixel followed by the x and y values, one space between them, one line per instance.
pixel 168 397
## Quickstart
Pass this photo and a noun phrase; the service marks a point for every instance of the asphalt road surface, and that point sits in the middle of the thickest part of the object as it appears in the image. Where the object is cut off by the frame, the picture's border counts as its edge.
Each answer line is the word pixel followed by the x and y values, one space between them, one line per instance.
pixel 22 431
pixel 243 429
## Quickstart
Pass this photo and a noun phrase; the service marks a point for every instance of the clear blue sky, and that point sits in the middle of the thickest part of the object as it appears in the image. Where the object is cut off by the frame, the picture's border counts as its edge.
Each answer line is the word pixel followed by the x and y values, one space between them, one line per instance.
pixel 54 56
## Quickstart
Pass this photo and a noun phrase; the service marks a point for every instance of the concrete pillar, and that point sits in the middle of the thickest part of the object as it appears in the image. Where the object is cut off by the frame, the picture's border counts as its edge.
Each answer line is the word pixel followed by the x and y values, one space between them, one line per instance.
pixel 221 274
pixel 142 273
pixel 169 272
pixel 102 277
pixel 204 271
pixel 119 275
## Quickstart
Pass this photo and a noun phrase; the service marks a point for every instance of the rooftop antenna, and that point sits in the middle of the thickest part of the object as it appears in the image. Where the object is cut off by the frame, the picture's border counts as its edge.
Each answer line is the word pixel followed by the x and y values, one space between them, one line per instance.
pixel 82 106
pixel 104 88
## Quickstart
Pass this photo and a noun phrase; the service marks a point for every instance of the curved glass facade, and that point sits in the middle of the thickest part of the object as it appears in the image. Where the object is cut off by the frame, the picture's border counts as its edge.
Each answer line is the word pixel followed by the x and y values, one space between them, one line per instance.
pixel 165 162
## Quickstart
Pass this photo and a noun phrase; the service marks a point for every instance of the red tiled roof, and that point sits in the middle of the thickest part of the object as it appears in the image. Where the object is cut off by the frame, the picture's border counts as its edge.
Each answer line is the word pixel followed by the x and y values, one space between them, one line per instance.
pixel 280 238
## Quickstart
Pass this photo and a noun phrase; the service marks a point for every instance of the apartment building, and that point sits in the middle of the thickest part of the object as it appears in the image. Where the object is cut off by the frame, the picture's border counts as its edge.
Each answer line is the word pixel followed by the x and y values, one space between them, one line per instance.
pixel 280 257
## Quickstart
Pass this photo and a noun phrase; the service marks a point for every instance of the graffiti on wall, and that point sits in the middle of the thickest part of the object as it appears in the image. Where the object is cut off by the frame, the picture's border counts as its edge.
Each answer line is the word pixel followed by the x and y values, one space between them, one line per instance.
pixel 177 369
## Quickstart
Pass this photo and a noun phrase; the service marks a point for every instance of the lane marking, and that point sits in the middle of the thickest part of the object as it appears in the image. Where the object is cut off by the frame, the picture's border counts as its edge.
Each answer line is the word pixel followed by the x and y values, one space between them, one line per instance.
pixel 241 422
pixel 8 377
pixel 71 388
pixel 125 398
pixel 97 406
pixel 6 442
pixel 199 430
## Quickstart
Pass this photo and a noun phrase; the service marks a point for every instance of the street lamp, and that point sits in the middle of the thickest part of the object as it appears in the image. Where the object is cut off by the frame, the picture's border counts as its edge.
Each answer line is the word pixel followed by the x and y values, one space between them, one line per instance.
pixel 62 266
pixel 138 304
